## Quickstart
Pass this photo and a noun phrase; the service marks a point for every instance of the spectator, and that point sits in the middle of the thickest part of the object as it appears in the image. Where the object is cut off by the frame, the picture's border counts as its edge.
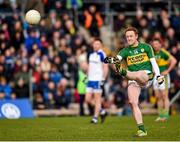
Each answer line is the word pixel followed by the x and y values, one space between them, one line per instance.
pixel 32 42
pixel 152 23
pixel 73 4
pixel 45 44
pixel 5 89
pixel 22 74
pixel 45 64
pixel 119 23
pixel 51 19
pixel 55 75
pixel 171 37
pixel 21 89
pixel 43 28
pixel 50 95
pixel 36 78
pixel 63 97
pixel 9 64
pixel 93 21
pixel 39 102
pixel 70 27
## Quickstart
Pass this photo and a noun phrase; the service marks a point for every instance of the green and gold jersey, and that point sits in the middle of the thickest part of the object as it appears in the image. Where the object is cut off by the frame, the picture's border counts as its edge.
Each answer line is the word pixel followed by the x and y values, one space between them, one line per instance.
pixel 162 58
pixel 137 58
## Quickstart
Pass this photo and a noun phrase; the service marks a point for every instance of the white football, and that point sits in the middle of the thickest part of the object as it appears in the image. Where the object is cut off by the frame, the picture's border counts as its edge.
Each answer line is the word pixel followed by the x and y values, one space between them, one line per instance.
pixel 33 17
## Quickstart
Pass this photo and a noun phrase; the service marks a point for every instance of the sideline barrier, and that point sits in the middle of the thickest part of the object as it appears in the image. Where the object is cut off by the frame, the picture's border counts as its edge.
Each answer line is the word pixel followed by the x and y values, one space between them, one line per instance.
pixel 15 109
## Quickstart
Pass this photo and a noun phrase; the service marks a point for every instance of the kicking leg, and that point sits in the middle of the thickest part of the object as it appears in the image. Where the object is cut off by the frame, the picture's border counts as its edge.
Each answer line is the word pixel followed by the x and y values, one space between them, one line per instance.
pixel 140 76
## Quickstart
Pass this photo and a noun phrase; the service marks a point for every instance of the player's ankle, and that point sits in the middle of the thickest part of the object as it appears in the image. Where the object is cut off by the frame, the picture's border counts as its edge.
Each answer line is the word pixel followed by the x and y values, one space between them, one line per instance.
pixel 102 111
pixel 141 127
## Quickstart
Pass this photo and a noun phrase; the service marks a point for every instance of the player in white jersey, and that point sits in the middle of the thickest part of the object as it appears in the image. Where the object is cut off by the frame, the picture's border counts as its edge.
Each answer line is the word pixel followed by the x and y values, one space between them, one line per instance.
pixel 97 73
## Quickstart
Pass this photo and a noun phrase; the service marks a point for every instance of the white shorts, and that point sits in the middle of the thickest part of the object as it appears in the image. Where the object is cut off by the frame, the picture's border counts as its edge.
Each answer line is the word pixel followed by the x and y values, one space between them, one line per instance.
pixel 165 85
pixel 94 87
pixel 149 83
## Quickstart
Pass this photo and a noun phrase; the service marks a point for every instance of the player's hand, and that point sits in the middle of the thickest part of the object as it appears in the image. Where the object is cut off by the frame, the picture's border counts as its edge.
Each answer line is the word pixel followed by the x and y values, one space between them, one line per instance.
pixel 165 72
pixel 111 60
pixel 85 80
pixel 160 79
pixel 102 83
pixel 118 67
pixel 108 60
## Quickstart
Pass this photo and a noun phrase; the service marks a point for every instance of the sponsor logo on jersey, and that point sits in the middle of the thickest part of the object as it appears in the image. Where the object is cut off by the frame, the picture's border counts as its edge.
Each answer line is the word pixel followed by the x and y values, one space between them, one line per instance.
pixel 137 59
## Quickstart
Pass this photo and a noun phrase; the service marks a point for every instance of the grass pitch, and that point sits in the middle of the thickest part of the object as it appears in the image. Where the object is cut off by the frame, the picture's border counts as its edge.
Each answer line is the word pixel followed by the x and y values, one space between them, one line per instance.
pixel 79 129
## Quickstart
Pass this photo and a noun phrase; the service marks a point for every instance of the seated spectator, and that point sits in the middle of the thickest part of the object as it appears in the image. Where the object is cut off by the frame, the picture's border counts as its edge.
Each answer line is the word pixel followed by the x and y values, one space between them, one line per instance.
pixel 62 97
pixel 70 27
pixel 21 89
pixel 55 75
pixel 22 74
pixel 9 64
pixel 36 78
pixel 45 44
pixel 50 94
pixel 45 64
pixel 39 101
pixel 5 89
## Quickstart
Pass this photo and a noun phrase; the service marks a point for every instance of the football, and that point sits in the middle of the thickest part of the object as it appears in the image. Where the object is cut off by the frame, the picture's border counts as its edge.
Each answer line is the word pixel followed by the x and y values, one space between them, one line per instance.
pixel 32 17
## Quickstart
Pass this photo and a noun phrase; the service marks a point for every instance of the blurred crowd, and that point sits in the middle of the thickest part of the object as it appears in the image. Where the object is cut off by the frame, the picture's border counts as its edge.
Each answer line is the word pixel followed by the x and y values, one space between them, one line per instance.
pixel 48 55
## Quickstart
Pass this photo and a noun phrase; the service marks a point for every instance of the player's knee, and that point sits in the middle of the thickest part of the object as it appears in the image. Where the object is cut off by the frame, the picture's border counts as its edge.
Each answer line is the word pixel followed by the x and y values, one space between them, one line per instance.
pixel 158 96
pixel 133 103
pixel 164 96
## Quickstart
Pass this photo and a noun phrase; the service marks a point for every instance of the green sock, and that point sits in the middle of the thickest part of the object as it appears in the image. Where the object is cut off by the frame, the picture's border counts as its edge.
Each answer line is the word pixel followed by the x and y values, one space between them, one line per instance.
pixel 166 113
pixel 141 127
pixel 160 112
pixel 123 72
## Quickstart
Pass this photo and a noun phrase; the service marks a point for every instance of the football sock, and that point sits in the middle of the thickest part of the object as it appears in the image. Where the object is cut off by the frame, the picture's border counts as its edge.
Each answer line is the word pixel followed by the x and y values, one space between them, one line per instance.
pixel 165 113
pixel 141 127
pixel 160 112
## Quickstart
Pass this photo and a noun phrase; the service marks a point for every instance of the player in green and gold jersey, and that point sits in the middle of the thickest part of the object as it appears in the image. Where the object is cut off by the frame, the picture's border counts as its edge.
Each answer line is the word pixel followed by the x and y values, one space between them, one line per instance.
pixel 166 63
pixel 140 63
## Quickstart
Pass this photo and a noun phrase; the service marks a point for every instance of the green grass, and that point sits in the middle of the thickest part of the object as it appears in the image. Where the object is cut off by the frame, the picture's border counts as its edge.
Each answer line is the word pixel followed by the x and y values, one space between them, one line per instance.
pixel 78 128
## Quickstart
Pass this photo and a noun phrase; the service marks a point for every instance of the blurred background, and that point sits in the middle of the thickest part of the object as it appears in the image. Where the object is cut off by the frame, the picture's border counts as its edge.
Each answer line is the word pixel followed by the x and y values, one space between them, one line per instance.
pixel 40 63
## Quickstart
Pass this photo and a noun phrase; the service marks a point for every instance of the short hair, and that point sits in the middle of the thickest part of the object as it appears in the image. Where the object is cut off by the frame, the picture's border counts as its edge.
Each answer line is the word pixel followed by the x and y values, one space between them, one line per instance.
pixel 131 29
pixel 156 39
pixel 98 39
